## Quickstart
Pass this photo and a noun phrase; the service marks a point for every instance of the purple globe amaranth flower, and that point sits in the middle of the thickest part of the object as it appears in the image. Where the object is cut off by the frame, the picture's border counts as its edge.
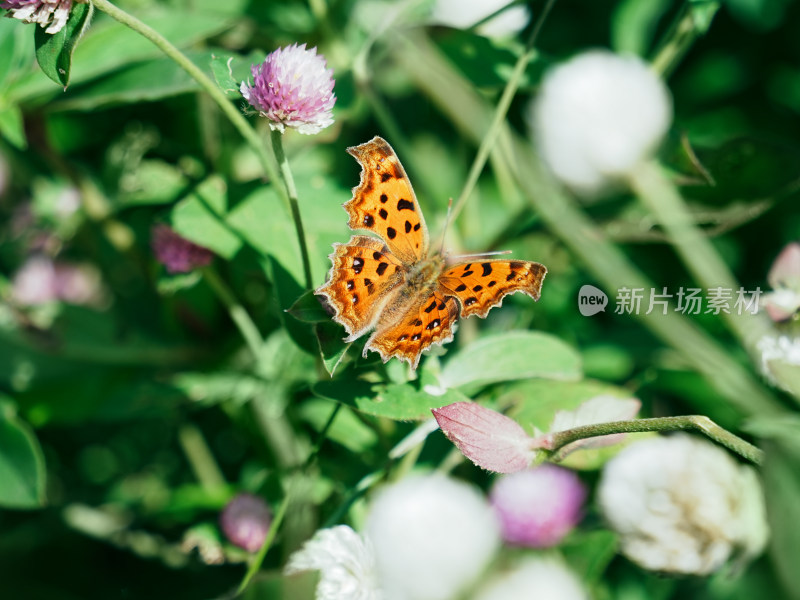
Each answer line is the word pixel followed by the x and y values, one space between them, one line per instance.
pixel 293 88
pixel 50 14
pixel 538 507
pixel 176 253
pixel 245 521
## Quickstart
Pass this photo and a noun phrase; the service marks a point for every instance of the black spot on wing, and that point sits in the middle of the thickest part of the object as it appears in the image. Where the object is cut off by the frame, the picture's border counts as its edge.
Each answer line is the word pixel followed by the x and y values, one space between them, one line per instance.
pixel 487 269
pixel 385 177
pixel 382 268
pixel 408 227
pixel 391 233
pixel 431 306
pixel 358 265
pixel 404 204
pixel 384 198
pixel 383 214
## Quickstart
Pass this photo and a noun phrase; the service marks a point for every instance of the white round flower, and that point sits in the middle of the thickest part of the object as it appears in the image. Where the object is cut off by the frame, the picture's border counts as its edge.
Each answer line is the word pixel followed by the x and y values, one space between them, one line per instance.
pixel 597 117
pixel 463 15
pixel 683 505
pixel 346 563
pixel 432 535
pixel 535 578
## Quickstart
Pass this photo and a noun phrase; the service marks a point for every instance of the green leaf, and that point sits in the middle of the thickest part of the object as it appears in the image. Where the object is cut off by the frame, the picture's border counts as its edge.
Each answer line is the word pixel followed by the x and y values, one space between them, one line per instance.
pixel 109 47
pixel 22 470
pixel 54 51
pixel 401 402
pixel 511 356
pixel 634 23
pixel 347 429
pixel 223 73
pixel 201 218
pixel 781 474
pixel 16 48
pixel 332 346
pixel 308 309
pixel 12 127
pixel 589 553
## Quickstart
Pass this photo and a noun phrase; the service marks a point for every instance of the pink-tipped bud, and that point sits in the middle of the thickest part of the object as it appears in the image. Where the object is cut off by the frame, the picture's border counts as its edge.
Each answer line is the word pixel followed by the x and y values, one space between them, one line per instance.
pixel 489 439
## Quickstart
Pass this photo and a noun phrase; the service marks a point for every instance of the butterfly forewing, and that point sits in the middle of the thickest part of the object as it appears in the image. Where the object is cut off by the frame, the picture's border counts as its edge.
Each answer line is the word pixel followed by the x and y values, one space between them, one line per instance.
pixel 385 204
pixel 481 285
pixel 364 273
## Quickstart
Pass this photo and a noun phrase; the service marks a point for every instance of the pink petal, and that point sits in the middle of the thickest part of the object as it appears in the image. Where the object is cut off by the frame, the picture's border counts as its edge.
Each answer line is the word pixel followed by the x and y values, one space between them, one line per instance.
pixel 489 439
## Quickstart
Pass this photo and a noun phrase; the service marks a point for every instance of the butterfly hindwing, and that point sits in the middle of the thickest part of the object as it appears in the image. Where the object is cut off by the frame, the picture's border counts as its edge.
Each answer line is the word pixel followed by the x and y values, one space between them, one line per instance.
pixel 385 204
pixel 429 321
pixel 481 285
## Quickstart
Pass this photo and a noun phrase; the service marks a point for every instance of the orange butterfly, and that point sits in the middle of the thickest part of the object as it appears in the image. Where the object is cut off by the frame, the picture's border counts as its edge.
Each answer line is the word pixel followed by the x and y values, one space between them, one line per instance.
pixel 410 297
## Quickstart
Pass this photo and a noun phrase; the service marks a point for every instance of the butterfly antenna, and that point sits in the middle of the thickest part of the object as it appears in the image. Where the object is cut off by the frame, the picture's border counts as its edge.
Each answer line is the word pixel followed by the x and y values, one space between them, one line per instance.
pixel 482 254
pixel 446 224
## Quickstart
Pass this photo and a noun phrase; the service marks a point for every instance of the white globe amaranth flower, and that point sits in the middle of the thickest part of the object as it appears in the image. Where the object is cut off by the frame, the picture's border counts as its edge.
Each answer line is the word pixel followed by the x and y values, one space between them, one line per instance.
pixel 292 88
pixel 433 536
pixel 535 578
pixel 463 15
pixel 346 563
pixel 683 505
pixel 597 117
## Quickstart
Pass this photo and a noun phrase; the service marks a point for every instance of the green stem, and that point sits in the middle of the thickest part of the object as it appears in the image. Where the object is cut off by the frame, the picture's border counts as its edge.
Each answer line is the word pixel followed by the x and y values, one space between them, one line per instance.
pixel 200 458
pixel 226 106
pixel 500 112
pixel 291 191
pixel 237 312
pixel 682 423
pixel 255 565
pixel 690 25
pixel 695 249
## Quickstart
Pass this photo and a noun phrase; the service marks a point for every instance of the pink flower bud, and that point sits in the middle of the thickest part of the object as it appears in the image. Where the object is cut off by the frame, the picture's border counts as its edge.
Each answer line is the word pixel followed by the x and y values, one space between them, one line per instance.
pixel 245 521
pixel 538 507
pixel 176 253
pixel 489 439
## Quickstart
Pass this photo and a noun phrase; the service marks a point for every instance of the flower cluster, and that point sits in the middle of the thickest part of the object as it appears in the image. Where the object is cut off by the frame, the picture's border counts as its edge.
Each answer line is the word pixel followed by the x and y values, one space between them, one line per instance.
pixel 683 505
pixel 41 280
pixel 49 14
pixel 292 88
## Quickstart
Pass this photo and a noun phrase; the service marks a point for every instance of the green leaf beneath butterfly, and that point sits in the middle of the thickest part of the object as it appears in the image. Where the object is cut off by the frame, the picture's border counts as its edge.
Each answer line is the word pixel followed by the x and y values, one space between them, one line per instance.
pixel 54 51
